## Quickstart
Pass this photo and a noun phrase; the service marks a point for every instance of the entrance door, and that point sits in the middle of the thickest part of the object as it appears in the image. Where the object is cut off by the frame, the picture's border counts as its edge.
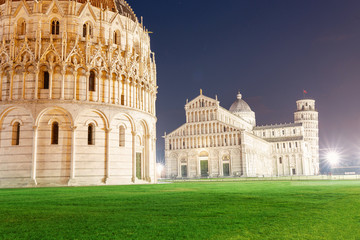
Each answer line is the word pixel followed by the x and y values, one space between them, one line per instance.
pixel 293 171
pixel 204 168
pixel 226 169
pixel 138 165
pixel 183 171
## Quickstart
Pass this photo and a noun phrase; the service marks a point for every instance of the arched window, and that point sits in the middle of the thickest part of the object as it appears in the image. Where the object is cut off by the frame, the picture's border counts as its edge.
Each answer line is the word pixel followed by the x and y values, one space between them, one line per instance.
pixel 55 27
pixel 91 134
pixel 46 79
pixel 87 29
pixel 21 28
pixel 117 37
pixel 122 136
pixel 92 81
pixel 280 160
pixel 55 133
pixel 84 30
pixel 16 134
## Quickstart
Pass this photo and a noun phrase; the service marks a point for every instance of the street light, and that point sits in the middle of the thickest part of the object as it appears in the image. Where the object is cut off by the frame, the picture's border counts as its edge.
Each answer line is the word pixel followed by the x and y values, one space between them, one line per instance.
pixel 333 157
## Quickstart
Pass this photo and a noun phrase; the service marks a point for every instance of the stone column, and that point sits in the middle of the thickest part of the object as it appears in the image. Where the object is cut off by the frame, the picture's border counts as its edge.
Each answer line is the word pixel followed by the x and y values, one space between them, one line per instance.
pixel 130 94
pixel 37 72
pixel 143 101
pixel 146 106
pixel 220 166
pixel 1 83
pixel 289 165
pixel 198 172
pixel 137 94
pixel 118 100
pixel 302 164
pixel 50 82
pixel 133 179
pixel 12 72
pixel 34 155
pixel 109 77
pixel 126 92
pixel 179 167
pixel 23 85
pixel 63 73
pixel 75 84
pixel 98 79
pixel 107 152
pixel 87 75
pixel 73 154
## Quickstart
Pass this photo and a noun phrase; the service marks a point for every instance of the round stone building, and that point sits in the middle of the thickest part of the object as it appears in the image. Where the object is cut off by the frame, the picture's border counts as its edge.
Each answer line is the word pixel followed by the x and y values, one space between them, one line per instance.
pixel 77 94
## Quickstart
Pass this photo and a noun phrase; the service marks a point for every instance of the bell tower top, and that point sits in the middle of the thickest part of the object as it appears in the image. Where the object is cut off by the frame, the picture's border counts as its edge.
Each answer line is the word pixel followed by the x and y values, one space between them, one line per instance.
pixel 305 105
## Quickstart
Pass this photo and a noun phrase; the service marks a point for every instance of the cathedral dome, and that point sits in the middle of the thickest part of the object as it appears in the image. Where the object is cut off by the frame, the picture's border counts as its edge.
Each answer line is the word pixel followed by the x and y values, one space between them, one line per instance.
pixel 239 105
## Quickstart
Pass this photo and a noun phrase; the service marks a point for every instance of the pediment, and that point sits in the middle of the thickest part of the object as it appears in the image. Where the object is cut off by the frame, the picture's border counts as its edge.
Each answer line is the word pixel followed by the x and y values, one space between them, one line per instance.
pixel 86 8
pixel 201 100
pixel 55 8
pixel 22 6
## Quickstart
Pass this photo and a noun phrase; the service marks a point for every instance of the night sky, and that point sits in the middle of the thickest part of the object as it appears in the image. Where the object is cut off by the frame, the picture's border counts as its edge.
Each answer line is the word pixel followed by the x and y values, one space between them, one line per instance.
pixel 269 50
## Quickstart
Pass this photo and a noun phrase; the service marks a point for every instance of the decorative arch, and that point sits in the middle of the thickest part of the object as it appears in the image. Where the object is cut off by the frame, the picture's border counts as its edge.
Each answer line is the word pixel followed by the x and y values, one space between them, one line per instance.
pixel 145 126
pixel 128 117
pixel 204 154
pixel 41 114
pixel 52 120
pixel 16 120
pixel 8 110
pixel 91 121
pixel 100 113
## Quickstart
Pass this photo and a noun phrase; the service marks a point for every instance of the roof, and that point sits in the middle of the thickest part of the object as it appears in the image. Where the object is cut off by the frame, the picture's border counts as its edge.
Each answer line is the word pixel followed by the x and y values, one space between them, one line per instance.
pixel 285 125
pixel 239 105
pixel 284 139
pixel 120 6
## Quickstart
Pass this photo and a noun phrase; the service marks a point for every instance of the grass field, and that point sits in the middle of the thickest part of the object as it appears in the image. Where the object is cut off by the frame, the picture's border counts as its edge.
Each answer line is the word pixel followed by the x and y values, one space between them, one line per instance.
pixel 216 210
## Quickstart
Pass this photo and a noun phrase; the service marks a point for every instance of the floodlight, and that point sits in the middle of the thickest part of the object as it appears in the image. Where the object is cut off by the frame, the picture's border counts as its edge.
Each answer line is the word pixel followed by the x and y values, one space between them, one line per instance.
pixel 333 157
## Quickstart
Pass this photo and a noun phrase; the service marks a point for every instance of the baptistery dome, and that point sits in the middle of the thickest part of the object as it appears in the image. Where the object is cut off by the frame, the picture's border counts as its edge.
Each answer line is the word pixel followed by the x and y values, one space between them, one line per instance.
pixel 77 94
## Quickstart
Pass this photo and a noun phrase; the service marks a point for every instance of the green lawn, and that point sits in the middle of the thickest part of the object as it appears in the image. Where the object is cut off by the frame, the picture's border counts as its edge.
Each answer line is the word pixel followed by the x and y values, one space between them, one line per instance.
pixel 205 210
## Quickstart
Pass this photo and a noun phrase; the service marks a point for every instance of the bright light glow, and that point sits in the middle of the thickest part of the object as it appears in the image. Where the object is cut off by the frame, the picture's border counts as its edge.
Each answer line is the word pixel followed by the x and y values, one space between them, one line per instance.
pixel 159 169
pixel 333 157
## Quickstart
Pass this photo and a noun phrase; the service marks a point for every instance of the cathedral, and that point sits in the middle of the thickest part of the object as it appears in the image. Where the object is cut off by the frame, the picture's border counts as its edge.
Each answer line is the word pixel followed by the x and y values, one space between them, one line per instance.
pixel 216 142
pixel 77 94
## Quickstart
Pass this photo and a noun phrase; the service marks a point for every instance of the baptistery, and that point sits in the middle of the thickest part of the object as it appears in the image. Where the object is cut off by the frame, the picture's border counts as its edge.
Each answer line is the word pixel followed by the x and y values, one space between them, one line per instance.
pixel 77 94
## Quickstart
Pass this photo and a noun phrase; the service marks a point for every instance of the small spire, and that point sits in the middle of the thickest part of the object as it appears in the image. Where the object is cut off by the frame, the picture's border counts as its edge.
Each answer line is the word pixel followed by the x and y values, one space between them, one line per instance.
pixel 239 96
pixel 200 91
pixel 216 98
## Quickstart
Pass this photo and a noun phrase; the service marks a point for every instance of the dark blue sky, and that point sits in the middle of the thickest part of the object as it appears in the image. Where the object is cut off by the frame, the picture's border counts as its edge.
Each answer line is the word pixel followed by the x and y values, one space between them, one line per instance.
pixel 269 50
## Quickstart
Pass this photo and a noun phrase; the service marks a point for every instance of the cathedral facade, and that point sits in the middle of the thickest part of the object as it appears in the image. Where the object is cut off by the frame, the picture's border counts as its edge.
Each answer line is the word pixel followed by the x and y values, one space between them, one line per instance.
pixel 216 142
pixel 77 94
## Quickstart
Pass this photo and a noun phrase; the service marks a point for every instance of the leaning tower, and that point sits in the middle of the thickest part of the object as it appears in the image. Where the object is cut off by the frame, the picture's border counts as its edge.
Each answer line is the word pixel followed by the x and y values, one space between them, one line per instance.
pixel 77 94
pixel 307 115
